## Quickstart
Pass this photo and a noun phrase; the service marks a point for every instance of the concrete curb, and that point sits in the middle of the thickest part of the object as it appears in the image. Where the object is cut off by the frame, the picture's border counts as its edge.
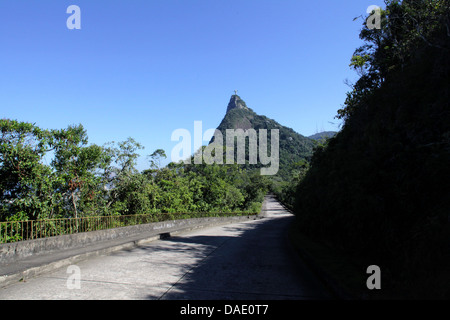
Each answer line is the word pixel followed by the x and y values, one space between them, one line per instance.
pixel 53 261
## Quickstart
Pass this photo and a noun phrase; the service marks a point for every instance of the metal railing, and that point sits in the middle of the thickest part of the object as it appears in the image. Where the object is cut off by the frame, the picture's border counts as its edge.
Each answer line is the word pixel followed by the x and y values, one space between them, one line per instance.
pixel 12 231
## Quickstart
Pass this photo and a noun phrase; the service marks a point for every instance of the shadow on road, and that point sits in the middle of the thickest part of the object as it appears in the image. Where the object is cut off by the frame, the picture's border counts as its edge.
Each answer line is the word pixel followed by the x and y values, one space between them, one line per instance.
pixel 252 262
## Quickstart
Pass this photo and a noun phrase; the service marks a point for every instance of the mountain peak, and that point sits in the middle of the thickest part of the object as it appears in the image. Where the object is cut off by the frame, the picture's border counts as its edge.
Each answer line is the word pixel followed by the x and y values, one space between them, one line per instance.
pixel 293 147
pixel 236 103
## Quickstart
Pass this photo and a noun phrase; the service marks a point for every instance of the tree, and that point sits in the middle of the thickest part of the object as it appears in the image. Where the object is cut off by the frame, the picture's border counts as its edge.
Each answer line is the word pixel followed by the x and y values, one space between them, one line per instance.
pixel 25 182
pixel 407 29
pixel 120 175
pixel 156 157
pixel 76 164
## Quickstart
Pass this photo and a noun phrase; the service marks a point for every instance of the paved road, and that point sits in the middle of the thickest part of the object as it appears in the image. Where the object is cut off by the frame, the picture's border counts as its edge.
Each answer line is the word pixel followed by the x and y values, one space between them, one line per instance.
pixel 248 260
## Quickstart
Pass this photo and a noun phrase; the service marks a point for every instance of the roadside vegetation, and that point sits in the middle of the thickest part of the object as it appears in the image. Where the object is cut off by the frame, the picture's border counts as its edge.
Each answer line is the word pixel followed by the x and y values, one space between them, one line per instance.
pixel 378 192
pixel 49 174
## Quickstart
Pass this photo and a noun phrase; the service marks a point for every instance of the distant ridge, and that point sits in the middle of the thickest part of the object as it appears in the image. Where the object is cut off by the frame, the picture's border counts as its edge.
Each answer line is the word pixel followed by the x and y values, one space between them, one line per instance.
pixel 323 135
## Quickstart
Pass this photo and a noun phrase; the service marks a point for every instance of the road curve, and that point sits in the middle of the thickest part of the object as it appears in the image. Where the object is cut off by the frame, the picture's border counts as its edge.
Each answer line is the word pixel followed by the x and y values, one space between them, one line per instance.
pixel 249 260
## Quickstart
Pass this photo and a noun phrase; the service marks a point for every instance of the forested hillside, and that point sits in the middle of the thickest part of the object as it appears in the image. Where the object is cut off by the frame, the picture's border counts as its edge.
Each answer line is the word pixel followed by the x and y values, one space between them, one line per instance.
pixel 379 191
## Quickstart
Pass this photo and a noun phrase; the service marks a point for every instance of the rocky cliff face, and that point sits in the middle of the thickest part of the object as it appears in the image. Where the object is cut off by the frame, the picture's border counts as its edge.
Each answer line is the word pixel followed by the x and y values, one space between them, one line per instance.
pixel 236 103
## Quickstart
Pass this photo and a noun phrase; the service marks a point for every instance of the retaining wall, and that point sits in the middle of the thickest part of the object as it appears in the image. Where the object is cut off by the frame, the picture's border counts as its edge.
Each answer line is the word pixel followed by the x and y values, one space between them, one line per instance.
pixel 10 252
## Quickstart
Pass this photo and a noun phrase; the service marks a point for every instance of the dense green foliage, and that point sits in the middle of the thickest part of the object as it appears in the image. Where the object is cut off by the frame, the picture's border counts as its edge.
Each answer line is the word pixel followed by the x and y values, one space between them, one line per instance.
pixel 379 191
pixel 56 173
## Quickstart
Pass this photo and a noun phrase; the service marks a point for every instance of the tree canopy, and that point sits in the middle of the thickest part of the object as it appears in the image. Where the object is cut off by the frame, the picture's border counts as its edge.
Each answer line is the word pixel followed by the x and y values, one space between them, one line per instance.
pixel 57 173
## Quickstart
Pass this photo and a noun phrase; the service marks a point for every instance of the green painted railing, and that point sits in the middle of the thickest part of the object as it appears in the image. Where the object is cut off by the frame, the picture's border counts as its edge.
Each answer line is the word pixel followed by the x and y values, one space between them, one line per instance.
pixel 12 231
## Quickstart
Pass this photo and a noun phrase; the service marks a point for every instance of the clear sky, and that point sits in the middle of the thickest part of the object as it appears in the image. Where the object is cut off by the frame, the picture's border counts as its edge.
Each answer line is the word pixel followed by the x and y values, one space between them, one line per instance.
pixel 144 68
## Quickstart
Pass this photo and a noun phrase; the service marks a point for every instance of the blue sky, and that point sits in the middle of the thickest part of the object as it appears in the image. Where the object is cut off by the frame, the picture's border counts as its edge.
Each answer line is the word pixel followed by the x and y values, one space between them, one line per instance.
pixel 144 68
